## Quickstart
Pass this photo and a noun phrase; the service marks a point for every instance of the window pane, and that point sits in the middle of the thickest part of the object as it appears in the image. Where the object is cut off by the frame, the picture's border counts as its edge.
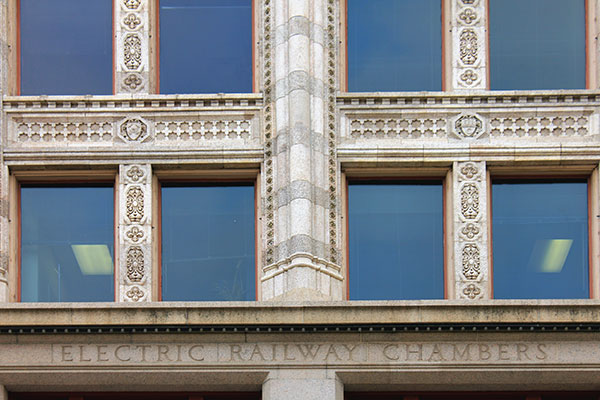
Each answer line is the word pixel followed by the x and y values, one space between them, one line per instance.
pixel 66 47
pixel 396 241
pixel 537 44
pixel 67 243
pixel 205 46
pixel 394 45
pixel 208 243
pixel 540 239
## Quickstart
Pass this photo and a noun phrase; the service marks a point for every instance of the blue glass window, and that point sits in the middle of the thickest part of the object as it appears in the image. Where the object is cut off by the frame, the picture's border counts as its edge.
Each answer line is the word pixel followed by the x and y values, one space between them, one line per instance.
pixel 394 45
pixel 205 46
pixel 208 242
pixel 396 241
pixel 67 243
pixel 66 47
pixel 537 44
pixel 540 240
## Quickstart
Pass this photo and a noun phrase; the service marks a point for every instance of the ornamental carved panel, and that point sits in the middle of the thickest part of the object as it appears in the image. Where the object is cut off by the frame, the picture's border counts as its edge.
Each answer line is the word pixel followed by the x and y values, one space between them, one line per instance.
pixel 132 31
pixel 470 230
pixel 135 264
pixel 469 53
pixel 135 204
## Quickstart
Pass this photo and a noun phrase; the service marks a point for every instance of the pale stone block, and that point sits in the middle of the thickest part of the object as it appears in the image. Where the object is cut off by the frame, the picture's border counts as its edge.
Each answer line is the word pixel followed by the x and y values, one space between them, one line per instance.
pixel 298 53
pixel 317 112
pixel 302 385
pixel 317 67
pixel 320 223
pixel 282 229
pixel 281 64
pixel 299 163
pixel 298 8
pixel 300 218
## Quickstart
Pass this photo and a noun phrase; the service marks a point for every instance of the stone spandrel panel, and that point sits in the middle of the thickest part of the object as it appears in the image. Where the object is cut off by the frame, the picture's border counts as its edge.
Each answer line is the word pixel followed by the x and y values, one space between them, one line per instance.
pixel 471 266
pixel 469 53
pixel 132 32
pixel 135 230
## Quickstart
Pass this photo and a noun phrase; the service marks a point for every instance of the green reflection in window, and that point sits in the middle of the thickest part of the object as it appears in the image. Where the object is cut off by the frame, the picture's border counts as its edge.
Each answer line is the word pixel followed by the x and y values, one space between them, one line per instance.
pixel 67 243
pixel 208 242
pixel 540 240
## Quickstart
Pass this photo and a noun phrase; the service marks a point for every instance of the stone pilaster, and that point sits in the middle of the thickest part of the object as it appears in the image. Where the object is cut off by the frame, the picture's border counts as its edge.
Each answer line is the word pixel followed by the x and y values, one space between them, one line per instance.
pixel 132 37
pixel 301 259
pixel 469 52
pixel 471 266
pixel 4 192
pixel 135 233
pixel 306 384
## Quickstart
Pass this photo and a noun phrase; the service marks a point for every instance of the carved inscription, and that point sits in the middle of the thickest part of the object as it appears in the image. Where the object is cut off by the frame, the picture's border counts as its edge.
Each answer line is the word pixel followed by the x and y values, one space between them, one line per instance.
pixel 313 353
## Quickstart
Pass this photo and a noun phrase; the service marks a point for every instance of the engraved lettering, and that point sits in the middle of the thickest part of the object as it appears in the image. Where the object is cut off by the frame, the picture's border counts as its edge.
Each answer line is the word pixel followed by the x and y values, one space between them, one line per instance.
pixel 66 354
pixel 464 355
pixel 119 356
pixel 437 353
pixel 418 352
pixel 162 351
pixel 236 349
pixel 542 352
pixel 350 350
pixel 391 352
pixel 503 352
pixel 195 352
pixel 101 353
pixel 484 352
pixel 81 352
pixel 309 351
pixel 286 355
pixel 332 351
pixel 522 349
pixel 256 351
pixel 143 347
pixel 178 352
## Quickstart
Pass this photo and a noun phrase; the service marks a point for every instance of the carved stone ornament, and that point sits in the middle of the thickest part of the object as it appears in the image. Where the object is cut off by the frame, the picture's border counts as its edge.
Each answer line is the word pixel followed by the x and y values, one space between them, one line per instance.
pixel 135 173
pixel 468 1
pixel 468 16
pixel 469 170
pixel 468 126
pixel 132 4
pixel 468 46
pixel 135 234
pixel 469 77
pixel 132 81
pixel 132 50
pixel 132 21
pixel 135 204
pixel 469 201
pixel 470 231
pixel 135 293
pixel 471 262
pixel 134 129
pixel 135 264
pixel 471 291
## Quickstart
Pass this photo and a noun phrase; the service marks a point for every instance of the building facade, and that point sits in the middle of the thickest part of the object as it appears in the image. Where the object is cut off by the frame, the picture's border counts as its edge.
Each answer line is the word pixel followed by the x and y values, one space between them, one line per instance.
pixel 304 142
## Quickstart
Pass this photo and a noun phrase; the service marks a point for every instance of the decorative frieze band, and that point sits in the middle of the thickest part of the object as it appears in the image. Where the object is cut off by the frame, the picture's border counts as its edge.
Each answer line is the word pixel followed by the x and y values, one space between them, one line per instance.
pixel 470 230
pixel 135 227
pixel 469 55
pixel 133 37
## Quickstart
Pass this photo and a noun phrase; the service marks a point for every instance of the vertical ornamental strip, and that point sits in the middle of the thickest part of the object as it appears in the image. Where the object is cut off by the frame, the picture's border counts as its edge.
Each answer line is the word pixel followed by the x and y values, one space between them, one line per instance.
pixel 301 260
pixel 135 229
pixel 4 193
pixel 471 272
pixel 469 52
pixel 132 39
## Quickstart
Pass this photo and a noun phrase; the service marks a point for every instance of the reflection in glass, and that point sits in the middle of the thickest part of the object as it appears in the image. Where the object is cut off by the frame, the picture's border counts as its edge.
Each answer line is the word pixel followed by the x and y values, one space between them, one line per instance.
pixel 67 243
pixel 540 240
pixel 537 44
pixel 205 46
pixel 208 242
pixel 395 241
pixel 394 45
pixel 66 47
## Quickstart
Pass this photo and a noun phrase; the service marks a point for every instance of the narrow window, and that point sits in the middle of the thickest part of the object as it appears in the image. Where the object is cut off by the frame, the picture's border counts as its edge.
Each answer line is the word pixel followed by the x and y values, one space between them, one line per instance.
pixel 208 242
pixel 394 45
pixel 66 47
pixel 537 44
pixel 540 239
pixel 205 46
pixel 67 243
pixel 395 241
